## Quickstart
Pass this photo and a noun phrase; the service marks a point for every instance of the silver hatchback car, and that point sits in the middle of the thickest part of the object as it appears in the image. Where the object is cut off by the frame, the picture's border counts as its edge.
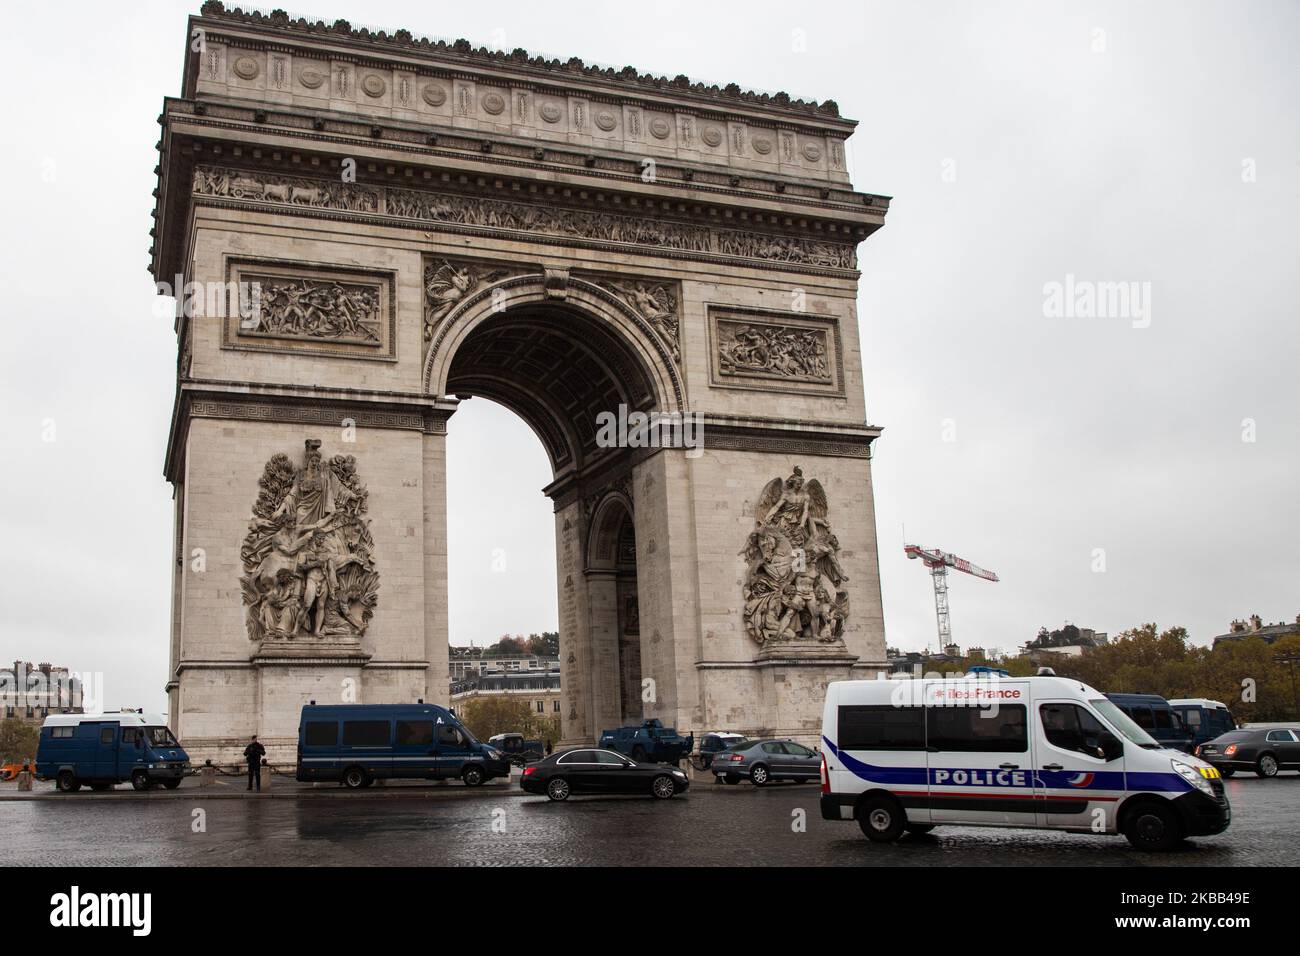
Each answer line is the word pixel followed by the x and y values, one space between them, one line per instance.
pixel 762 761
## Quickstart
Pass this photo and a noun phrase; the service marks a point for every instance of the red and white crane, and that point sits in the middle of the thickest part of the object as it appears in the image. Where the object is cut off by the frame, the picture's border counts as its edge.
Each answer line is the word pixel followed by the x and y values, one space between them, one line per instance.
pixel 939 562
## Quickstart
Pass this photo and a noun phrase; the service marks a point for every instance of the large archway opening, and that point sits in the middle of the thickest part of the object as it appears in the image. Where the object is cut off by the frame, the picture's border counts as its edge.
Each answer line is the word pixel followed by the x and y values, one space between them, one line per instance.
pixel 558 367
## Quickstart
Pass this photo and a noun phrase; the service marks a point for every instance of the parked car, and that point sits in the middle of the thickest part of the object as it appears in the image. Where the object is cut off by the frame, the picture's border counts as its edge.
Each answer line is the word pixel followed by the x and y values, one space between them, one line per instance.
pixel 586 770
pixel 762 761
pixel 1153 714
pixel 517 749
pixel 1265 750
pixel 648 741
pixel 1204 719
pixel 107 749
pixel 358 744
pixel 10 771
pixel 713 744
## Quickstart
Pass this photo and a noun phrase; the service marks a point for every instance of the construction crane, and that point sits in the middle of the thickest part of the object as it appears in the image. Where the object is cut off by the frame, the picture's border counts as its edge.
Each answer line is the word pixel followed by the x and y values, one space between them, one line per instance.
pixel 939 562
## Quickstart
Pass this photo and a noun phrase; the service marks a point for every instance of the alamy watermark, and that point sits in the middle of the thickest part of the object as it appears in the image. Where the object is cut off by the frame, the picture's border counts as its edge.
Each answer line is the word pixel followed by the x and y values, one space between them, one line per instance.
pixel 1087 299
pixel 636 429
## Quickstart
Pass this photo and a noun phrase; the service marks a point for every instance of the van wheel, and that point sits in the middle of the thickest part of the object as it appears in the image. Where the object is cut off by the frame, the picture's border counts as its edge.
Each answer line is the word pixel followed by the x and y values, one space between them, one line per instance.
pixel 172 783
pixel 1153 826
pixel 919 828
pixel 1266 765
pixel 67 782
pixel 732 778
pixel 473 776
pixel 354 778
pixel 882 819
pixel 759 776
pixel 662 787
pixel 558 789
pixel 140 780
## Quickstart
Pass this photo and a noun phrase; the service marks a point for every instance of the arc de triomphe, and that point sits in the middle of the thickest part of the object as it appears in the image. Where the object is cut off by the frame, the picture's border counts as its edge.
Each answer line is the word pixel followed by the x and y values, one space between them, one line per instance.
pixel 370 228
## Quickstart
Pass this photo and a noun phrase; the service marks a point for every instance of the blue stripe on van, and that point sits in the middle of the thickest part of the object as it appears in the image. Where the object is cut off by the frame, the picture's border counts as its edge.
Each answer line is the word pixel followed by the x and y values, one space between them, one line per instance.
pixel 1110 780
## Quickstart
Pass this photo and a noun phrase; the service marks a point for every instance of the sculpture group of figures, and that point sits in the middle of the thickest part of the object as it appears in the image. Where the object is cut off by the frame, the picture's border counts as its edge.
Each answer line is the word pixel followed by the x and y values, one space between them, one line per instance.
pixel 657 304
pixel 774 350
pixel 308 570
pixel 794 585
pixel 308 308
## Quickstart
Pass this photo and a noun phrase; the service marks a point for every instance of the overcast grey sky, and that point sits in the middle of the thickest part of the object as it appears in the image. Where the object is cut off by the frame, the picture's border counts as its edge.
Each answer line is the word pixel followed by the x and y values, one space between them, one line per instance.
pixel 1151 142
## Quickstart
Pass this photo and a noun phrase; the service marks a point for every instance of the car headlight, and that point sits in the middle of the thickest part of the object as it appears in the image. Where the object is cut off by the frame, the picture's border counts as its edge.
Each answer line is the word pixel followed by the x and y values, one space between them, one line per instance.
pixel 1192 776
pixel 678 773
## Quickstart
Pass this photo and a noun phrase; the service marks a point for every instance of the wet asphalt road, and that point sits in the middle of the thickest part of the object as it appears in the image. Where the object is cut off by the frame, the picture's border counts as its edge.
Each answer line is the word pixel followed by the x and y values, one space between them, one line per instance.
pixel 495 826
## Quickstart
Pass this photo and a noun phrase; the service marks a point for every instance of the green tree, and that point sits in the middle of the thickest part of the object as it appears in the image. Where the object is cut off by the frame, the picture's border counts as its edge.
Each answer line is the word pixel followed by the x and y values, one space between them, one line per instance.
pixel 18 741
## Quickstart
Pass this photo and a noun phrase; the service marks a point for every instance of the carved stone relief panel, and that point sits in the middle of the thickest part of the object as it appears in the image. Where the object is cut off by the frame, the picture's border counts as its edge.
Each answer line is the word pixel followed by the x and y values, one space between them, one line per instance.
pixel 775 351
pixel 426 205
pixel 655 300
pixel 272 306
pixel 449 282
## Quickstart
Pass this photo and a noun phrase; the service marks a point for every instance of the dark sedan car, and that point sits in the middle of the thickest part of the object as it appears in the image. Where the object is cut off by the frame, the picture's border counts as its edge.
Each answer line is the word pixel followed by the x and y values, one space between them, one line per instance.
pixel 600 771
pixel 1264 750
pixel 762 761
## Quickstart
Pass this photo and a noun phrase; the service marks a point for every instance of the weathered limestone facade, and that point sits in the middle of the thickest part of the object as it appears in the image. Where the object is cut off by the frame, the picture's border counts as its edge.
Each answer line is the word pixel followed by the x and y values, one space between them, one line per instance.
pixel 428 222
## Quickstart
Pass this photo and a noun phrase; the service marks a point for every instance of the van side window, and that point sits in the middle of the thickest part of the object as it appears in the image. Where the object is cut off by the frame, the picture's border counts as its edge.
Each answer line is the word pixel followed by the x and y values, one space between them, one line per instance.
pixel 60 732
pixel 322 733
pixel 106 735
pixel 449 736
pixel 1070 727
pixel 1142 717
pixel 365 733
pixel 128 736
pixel 1163 719
pixel 1192 717
pixel 978 729
pixel 415 733
pixel 881 727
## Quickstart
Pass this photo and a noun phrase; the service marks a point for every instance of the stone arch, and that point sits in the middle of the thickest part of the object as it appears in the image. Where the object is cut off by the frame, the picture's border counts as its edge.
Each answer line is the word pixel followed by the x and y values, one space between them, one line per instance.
pixel 642 351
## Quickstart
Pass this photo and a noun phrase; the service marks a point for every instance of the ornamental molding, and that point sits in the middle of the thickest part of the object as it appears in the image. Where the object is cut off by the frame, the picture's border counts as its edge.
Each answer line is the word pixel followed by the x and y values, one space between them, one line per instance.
pixel 517 220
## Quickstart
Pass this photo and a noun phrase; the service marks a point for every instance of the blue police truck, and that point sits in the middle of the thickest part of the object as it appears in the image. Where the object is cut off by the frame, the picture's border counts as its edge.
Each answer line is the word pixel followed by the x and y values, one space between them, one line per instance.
pixel 357 744
pixel 101 750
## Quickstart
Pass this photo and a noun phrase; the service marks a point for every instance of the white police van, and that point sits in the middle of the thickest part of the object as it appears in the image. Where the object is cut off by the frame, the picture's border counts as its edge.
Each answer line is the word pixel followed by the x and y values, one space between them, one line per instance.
pixel 1043 752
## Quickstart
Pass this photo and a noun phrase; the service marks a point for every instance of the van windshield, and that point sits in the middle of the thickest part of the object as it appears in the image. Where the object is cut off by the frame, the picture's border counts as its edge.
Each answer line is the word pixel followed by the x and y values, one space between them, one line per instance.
pixel 1124 724
pixel 161 737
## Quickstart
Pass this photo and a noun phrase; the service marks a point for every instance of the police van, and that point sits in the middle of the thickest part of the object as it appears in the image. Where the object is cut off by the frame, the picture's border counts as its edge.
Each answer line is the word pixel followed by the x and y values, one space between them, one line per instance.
pixel 1045 752
pixel 357 744
pixel 101 750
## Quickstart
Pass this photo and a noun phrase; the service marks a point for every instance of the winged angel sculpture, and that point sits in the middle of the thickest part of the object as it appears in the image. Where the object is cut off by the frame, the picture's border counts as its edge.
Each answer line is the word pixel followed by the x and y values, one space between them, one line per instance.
pixel 794 585
pixel 446 285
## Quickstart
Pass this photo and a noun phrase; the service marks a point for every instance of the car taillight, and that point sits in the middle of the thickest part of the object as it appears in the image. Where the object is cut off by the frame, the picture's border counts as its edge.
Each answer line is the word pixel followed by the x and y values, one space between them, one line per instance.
pixel 826 776
pixel 1229 750
pixel 528 770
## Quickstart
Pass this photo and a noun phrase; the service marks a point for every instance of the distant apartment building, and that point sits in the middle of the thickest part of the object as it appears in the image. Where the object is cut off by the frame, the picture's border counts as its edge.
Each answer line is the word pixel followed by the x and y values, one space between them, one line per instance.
pixel 539 689
pixel 1254 626
pixel 1068 641
pixel 31 692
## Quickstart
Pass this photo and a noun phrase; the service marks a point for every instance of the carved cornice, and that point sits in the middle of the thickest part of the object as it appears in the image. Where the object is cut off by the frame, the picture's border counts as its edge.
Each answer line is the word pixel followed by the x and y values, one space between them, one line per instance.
pixel 520 60
pixel 518 221
pixel 241 401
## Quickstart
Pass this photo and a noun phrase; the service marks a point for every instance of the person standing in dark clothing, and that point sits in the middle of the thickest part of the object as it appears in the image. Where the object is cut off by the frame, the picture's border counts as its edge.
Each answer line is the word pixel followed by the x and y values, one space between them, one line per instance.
pixel 549 748
pixel 254 753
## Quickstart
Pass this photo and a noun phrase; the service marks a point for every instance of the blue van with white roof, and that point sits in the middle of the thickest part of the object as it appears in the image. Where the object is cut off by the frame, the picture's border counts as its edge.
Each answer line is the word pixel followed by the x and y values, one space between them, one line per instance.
pixel 1037 752
pixel 100 750
pixel 357 744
